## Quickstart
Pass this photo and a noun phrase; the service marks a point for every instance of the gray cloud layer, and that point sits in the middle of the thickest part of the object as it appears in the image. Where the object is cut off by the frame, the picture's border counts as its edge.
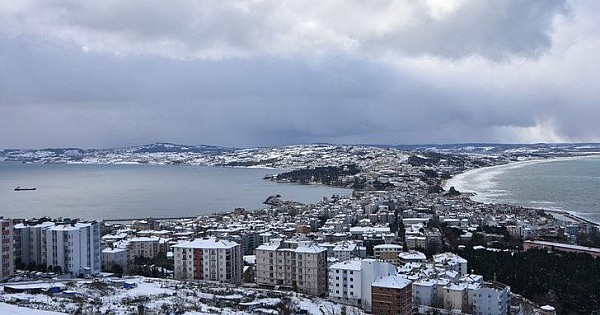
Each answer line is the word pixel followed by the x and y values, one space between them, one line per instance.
pixel 99 74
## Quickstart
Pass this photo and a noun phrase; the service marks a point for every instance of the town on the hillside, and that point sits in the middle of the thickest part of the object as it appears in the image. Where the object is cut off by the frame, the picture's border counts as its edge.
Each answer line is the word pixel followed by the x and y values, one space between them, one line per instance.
pixel 399 243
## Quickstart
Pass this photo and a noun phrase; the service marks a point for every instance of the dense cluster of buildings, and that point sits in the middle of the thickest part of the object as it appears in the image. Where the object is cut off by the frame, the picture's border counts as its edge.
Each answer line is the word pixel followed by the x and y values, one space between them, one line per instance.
pixel 382 248
pixel 389 281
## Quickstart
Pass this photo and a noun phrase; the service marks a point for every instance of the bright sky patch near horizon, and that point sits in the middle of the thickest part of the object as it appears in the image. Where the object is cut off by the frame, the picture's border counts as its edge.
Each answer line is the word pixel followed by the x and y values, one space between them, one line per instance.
pixel 251 73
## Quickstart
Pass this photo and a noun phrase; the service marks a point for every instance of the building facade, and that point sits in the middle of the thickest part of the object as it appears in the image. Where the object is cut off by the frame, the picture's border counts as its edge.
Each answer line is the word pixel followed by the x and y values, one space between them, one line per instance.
pixel 350 281
pixel 301 266
pixel 451 261
pixel 424 292
pixel 32 242
pixel 115 256
pixel 388 253
pixel 391 295
pixel 74 248
pixel 7 257
pixel 492 298
pixel 208 259
pixel 146 247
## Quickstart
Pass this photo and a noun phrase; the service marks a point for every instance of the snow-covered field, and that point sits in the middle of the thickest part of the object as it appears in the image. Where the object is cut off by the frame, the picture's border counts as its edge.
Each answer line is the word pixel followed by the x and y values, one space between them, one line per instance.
pixel 17 310
pixel 162 296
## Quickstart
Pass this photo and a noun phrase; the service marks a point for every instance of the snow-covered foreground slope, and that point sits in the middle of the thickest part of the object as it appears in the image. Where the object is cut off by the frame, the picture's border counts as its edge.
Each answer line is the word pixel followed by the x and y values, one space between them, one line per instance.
pixel 163 296
pixel 17 310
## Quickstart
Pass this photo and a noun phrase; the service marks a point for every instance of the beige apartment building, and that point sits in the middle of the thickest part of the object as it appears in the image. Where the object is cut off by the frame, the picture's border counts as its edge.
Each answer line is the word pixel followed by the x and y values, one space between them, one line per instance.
pixel 147 247
pixel 298 265
pixel 388 253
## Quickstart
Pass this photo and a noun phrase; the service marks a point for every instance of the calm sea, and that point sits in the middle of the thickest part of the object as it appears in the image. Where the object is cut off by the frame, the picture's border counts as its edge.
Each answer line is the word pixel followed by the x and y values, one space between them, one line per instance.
pixel 563 184
pixel 138 191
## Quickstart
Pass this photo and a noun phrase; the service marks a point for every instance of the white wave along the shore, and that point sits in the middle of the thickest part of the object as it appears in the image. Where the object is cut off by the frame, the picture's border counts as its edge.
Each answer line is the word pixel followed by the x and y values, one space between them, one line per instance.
pixel 481 181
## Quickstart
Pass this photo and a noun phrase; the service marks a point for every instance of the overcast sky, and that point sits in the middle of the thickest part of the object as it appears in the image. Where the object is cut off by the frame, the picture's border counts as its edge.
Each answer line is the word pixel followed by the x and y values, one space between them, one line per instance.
pixel 110 73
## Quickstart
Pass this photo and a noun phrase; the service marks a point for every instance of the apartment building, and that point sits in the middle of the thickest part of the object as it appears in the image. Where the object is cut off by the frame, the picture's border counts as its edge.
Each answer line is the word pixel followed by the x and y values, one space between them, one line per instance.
pixel 416 242
pixel 451 261
pixel 74 248
pixel 7 256
pixel 146 247
pixel 425 292
pixel 492 298
pixel 115 256
pixel 299 265
pixel 209 259
pixel 350 281
pixel 388 253
pixel 455 296
pixel 411 257
pixel 32 242
pixel 391 295
pixel 346 250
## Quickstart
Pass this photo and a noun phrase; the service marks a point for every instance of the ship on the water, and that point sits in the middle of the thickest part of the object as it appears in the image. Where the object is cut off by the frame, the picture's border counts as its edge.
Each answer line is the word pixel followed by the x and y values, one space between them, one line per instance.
pixel 24 189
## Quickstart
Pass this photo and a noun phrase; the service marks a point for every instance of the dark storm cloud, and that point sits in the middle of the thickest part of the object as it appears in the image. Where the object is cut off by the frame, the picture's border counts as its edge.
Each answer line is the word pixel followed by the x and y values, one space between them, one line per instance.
pixel 101 74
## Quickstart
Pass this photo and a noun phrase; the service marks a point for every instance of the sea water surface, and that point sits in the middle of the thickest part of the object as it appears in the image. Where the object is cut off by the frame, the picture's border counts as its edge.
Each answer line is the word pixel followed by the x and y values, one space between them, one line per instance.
pixel 140 191
pixel 570 184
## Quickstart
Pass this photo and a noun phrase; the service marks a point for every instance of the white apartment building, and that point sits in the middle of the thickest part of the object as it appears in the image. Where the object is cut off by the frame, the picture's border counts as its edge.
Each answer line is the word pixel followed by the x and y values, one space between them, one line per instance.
pixel 451 261
pixel 75 248
pixel 115 256
pixel 455 296
pixel 209 259
pixel 302 267
pixel 7 258
pixel 412 257
pixel 350 281
pixel 33 242
pixel 424 292
pixel 492 298
pixel 346 250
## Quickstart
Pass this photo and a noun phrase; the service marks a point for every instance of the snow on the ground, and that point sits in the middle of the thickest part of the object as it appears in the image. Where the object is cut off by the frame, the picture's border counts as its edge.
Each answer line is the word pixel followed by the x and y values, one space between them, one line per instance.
pixel 144 288
pixel 17 310
pixel 167 296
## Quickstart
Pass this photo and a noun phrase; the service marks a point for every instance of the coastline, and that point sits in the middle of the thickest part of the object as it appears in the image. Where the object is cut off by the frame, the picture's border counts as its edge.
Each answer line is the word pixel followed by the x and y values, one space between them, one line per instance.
pixel 495 170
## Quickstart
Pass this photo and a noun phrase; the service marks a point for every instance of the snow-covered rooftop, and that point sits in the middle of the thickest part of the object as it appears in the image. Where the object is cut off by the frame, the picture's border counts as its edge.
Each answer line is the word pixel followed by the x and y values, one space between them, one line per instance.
pixel 387 246
pixel 392 282
pixel 312 249
pixel 210 243
pixel 348 265
pixel 17 310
